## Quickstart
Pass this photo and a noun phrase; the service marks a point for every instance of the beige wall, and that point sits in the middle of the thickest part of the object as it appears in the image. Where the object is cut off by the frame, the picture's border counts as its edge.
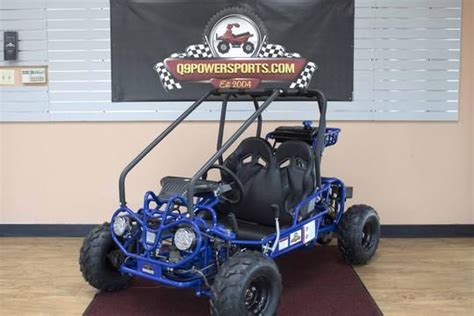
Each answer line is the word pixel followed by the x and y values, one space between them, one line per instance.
pixel 412 172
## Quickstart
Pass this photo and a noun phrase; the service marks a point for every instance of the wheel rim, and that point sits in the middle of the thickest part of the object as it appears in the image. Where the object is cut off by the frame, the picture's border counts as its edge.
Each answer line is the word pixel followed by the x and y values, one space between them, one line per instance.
pixel 113 259
pixel 256 295
pixel 368 235
pixel 248 48
pixel 223 47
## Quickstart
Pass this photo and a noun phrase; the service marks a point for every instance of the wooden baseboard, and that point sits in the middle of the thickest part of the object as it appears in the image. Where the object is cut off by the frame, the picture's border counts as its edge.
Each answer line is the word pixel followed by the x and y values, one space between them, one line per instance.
pixel 45 230
pixel 388 231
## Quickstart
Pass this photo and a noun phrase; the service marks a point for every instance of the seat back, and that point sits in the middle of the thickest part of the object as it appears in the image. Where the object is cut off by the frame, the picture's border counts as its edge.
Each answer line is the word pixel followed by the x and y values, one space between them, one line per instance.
pixel 254 164
pixel 295 161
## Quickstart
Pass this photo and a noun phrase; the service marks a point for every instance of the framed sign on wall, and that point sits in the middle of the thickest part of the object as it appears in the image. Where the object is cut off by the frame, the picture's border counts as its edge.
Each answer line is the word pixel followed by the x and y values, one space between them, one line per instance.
pixel 191 46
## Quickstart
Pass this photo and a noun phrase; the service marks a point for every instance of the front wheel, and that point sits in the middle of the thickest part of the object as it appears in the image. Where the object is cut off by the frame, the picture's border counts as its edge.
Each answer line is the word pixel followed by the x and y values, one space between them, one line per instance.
pixel 249 283
pixel 223 47
pixel 358 234
pixel 99 260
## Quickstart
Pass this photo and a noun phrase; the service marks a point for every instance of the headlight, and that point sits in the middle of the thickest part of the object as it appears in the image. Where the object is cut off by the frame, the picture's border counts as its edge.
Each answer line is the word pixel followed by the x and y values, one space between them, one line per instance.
pixel 184 238
pixel 121 225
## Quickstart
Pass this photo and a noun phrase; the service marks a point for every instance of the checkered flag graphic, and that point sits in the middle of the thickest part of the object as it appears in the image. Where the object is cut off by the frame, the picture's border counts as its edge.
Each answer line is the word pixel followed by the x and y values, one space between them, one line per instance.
pixel 304 79
pixel 199 51
pixel 178 55
pixel 193 51
pixel 271 51
pixel 292 55
pixel 166 77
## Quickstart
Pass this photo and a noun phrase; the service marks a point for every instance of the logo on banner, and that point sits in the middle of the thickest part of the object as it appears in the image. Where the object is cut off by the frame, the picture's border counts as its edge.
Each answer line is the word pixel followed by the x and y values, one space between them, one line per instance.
pixel 235 53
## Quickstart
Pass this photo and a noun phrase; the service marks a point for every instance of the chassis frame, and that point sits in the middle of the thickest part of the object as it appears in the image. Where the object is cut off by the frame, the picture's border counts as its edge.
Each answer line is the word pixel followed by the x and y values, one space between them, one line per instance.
pixel 199 265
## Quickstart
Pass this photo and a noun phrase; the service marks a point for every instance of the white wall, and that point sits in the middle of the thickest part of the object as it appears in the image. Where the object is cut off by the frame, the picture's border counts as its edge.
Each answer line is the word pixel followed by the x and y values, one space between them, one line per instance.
pixel 406 65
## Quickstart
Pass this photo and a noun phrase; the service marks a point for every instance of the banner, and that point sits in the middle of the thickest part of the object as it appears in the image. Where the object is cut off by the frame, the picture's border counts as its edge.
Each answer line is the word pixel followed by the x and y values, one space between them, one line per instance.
pixel 166 50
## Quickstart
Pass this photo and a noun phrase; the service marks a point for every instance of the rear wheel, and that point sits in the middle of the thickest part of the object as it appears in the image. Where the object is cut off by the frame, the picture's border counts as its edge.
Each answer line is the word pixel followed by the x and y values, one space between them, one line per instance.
pixel 248 48
pixel 359 234
pixel 99 261
pixel 249 283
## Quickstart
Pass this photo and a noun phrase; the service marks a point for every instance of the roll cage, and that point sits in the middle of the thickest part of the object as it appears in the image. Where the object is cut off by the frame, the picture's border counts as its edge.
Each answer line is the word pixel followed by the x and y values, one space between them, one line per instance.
pixel 270 94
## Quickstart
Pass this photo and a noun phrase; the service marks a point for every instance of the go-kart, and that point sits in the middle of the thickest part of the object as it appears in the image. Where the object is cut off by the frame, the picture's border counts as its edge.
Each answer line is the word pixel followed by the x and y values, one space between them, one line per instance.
pixel 236 40
pixel 220 237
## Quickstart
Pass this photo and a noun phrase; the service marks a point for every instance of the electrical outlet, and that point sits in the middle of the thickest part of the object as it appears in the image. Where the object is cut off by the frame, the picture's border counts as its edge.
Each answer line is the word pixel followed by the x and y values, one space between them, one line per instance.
pixel 7 76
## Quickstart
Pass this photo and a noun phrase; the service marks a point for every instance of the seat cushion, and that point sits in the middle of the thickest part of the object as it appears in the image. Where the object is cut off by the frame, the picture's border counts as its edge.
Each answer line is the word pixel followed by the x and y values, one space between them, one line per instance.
pixel 295 159
pixel 241 34
pixel 254 164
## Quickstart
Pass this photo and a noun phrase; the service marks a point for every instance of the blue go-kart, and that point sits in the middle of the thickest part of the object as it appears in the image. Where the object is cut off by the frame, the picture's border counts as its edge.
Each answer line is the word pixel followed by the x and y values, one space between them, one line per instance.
pixel 219 237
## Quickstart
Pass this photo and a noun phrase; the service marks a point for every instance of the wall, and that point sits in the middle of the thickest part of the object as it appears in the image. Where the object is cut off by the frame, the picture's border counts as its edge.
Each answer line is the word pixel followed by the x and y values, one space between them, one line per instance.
pixel 406 62
pixel 412 172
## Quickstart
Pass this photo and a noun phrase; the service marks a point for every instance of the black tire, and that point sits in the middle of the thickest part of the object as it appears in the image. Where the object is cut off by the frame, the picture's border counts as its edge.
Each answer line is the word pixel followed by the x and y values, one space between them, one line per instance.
pixel 247 282
pixel 223 47
pixel 95 264
pixel 248 48
pixel 359 234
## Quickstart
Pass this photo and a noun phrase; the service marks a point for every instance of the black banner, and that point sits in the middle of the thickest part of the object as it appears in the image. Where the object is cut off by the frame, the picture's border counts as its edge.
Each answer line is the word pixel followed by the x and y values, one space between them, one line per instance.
pixel 166 50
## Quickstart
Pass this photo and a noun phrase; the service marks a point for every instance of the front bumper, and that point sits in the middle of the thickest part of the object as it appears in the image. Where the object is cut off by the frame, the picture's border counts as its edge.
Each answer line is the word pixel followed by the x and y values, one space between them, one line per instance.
pixel 152 271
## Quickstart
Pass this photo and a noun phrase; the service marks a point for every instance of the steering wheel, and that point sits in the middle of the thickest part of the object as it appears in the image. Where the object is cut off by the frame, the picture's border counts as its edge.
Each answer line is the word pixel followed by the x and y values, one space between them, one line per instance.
pixel 234 184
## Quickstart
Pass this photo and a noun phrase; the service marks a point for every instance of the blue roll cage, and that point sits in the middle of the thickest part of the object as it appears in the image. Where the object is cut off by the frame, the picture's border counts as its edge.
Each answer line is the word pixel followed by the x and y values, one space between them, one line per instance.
pixel 196 266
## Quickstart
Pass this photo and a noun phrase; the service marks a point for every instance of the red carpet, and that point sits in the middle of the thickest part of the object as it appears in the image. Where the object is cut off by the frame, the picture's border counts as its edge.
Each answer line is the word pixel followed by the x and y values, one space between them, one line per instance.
pixel 315 281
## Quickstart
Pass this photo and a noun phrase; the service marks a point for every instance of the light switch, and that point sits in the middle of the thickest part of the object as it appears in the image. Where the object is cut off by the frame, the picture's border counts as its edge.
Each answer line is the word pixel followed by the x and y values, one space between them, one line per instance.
pixel 33 75
pixel 7 76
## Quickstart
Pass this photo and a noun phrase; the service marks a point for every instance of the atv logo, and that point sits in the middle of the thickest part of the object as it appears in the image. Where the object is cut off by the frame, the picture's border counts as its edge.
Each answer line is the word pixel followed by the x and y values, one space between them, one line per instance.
pixel 235 53
pixel 225 42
